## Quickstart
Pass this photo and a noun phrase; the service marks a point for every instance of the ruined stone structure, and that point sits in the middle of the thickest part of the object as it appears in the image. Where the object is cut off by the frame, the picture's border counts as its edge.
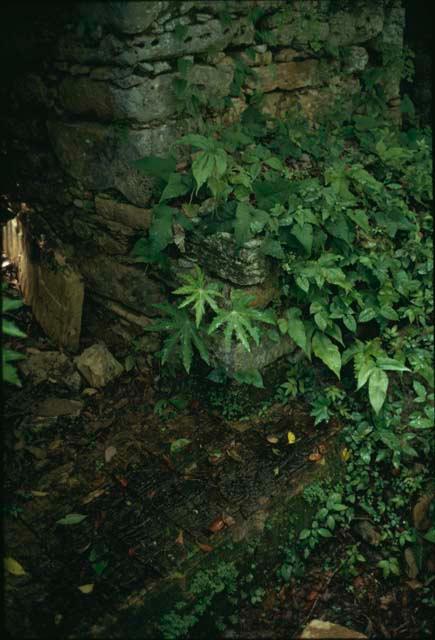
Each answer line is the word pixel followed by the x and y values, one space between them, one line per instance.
pixel 90 89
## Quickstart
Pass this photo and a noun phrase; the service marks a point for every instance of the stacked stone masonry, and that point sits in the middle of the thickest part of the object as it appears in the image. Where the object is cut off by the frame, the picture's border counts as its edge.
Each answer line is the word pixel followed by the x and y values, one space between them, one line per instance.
pixel 90 90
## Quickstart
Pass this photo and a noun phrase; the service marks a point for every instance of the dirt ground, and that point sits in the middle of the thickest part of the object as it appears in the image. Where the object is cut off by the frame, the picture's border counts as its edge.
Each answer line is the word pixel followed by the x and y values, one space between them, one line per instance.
pixel 152 485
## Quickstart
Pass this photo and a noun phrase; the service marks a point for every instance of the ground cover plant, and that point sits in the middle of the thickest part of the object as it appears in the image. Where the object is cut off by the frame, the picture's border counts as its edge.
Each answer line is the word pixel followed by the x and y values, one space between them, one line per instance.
pixel 344 210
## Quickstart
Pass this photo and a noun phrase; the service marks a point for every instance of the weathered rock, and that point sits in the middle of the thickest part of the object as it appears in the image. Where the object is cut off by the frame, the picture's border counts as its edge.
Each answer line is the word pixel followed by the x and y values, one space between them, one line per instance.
pixel 355 60
pixel 52 366
pixel 123 283
pixel 219 255
pixel 323 630
pixel 53 407
pixel 52 287
pixel 411 564
pixel 420 512
pixel 368 532
pixel 101 158
pixel 286 76
pixel 238 359
pixel 98 366
pixel 124 17
pixel 123 213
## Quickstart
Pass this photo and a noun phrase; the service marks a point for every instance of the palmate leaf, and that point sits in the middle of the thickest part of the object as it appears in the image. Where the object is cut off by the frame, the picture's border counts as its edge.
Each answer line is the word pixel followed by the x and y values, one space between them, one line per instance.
pixel 183 335
pixel 238 321
pixel 199 294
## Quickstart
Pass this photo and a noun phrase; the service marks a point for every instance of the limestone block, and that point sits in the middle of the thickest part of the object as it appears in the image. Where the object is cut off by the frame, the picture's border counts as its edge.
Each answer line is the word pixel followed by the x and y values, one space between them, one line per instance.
pixel 101 158
pixel 124 213
pixel 150 99
pixel 219 255
pixel 238 359
pixel 323 630
pixel 286 76
pixel 357 24
pixel 55 366
pixel 124 17
pixel 98 366
pixel 123 283
pixel 53 288
pixel 355 60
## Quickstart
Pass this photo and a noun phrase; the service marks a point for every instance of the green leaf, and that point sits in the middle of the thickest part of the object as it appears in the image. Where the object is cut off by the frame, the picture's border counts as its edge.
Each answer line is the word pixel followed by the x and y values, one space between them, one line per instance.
pixel 325 533
pixel 430 535
pixel 360 218
pixel 202 168
pixel 305 236
pixel 304 534
pixel 252 377
pixel 272 248
pixel 156 166
pixel 390 364
pixel 9 304
pixel 378 385
pixel 198 141
pixel 178 185
pixel 71 518
pixel 296 328
pixel 9 328
pixel 242 224
pixel 178 445
pixel 366 368
pixel 327 351
pixel 366 315
pixel 199 293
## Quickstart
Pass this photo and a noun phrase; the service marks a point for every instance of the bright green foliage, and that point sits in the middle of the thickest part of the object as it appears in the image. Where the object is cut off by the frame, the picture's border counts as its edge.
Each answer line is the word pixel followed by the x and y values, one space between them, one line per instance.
pixel 183 335
pixel 238 321
pixel 199 294
pixel 9 328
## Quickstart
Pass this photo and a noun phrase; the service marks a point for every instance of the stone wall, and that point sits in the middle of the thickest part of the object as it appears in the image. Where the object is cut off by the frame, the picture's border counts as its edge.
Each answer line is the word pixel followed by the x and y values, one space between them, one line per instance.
pixel 89 89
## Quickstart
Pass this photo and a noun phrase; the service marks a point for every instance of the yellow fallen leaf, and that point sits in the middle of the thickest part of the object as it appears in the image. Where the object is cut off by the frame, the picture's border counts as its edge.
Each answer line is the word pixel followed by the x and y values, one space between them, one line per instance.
pixel 14 567
pixel 86 588
pixel 39 494
pixel 345 454
pixel 291 438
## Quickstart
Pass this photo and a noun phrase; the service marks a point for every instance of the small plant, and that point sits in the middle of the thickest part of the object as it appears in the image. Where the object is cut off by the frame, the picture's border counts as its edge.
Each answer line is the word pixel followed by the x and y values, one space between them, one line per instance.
pixel 9 328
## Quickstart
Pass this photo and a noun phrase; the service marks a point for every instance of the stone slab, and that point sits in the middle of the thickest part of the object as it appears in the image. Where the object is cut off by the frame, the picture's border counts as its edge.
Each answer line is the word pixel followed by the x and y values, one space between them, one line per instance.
pixel 53 288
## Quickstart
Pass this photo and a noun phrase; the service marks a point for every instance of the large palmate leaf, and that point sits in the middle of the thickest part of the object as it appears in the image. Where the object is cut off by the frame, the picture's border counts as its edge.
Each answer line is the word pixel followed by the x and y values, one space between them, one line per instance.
pixel 199 293
pixel 239 320
pixel 183 335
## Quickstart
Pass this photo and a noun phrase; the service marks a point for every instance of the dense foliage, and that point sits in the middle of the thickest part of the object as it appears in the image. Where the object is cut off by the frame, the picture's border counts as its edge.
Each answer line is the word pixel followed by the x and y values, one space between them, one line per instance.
pixel 341 207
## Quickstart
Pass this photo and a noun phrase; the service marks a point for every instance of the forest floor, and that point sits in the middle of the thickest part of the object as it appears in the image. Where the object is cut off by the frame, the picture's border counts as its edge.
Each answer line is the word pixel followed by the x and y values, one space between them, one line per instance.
pixel 155 481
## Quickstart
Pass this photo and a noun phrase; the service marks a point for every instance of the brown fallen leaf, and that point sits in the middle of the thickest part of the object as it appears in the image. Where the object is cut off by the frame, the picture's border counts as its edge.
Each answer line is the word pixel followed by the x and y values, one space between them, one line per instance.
pixel 204 547
pixel 39 494
pixel 217 525
pixel 93 495
pixel 272 439
pixel 110 453
pixel 234 455
pixel 414 584
pixel 315 456
pixel 228 520
pixel 180 538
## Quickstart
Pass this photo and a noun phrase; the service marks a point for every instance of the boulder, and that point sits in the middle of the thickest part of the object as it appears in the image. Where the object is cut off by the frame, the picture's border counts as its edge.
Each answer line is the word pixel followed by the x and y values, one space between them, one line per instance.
pixel 50 366
pixel 98 366
pixel 323 630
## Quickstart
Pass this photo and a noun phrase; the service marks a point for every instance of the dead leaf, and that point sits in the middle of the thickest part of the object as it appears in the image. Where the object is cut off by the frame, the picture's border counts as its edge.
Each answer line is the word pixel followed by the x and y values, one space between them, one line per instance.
pixel 110 453
pixel 204 547
pixel 180 538
pixel 14 567
pixel 86 588
pixel 228 520
pixel 232 453
pixel 93 495
pixel 39 494
pixel 291 438
pixel 345 454
pixel 315 456
pixel 414 584
pixel 217 525
pixel 312 595
pixel 272 439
